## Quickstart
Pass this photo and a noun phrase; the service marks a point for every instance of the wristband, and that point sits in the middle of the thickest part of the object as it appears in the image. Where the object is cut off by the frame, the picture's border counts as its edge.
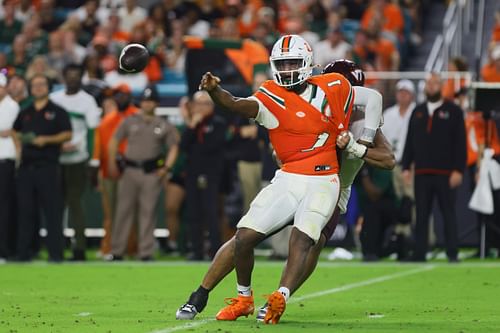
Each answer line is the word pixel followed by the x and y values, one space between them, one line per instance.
pixel 368 135
pixel 356 149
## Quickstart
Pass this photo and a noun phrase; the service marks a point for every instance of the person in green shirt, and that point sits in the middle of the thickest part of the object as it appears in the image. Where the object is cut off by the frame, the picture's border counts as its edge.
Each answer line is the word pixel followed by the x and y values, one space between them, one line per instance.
pixel 9 26
pixel 378 204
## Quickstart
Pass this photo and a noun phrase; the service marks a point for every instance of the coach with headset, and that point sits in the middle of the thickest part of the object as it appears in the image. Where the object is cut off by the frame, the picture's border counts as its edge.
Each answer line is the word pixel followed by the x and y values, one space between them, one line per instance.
pixel 41 128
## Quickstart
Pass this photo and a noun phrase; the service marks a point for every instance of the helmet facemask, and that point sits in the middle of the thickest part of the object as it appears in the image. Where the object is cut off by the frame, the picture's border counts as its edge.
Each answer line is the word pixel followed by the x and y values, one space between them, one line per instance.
pixel 289 72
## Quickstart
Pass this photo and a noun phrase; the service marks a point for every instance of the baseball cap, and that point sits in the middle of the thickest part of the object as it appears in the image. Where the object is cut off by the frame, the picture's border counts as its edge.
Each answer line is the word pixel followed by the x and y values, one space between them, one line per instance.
pixel 150 94
pixel 405 85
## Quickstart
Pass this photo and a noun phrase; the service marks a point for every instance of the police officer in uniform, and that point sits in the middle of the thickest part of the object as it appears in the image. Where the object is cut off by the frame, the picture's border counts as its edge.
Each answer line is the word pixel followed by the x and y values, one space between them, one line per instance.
pixel 42 127
pixel 145 166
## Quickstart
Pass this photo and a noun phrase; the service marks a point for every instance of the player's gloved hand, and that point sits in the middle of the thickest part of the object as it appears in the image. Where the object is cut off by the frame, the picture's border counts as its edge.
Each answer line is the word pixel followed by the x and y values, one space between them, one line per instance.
pixel 356 149
pixel 343 139
pixel 209 82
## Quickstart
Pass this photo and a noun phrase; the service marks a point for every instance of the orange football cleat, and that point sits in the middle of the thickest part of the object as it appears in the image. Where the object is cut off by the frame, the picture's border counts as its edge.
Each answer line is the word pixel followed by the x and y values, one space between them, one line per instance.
pixel 276 305
pixel 236 307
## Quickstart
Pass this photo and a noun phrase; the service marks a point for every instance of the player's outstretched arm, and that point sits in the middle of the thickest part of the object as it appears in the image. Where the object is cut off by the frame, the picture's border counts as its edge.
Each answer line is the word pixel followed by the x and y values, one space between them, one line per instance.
pixel 243 106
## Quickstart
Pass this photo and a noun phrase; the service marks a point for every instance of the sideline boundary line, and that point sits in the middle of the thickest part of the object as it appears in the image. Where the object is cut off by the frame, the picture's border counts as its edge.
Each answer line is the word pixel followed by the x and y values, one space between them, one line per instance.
pixel 346 287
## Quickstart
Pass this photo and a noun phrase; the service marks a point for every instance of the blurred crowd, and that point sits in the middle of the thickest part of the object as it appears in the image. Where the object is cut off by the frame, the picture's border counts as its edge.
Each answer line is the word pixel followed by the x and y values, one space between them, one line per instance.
pixel 209 167
pixel 45 35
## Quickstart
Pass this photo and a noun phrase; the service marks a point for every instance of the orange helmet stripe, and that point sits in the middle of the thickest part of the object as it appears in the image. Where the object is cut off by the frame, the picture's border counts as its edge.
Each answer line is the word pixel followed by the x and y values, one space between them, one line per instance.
pixel 285 46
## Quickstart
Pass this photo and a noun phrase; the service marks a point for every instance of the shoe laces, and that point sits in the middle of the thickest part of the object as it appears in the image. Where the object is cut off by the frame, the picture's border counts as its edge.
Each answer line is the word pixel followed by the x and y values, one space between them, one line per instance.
pixel 281 300
pixel 235 302
pixel 188 308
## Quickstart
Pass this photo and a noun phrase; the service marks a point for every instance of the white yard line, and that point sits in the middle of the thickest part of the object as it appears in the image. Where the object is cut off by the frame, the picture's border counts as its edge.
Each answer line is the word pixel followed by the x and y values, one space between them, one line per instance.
pixel 184 327
pixel 383 278
pixel 362 283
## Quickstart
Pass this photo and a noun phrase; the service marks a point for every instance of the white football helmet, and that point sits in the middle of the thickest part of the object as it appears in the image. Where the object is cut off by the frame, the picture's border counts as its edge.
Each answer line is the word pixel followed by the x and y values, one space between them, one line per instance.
pixel 291 61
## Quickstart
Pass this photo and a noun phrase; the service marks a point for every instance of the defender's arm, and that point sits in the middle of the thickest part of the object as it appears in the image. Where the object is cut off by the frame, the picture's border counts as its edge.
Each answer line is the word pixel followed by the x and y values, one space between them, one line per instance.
pixel 372 101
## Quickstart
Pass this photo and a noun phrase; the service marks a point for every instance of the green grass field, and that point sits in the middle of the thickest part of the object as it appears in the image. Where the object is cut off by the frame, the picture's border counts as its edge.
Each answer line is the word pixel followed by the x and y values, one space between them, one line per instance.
pixel 345 297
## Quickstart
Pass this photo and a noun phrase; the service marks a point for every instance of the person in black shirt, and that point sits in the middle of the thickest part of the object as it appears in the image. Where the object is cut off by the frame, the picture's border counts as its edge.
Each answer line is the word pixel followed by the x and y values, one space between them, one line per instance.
pixel 435 144
pixel 204 143
pixel 41 128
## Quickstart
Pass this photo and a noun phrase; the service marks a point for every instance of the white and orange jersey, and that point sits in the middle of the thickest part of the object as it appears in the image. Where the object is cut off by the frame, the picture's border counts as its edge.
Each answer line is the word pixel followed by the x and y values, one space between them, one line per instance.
pixel 303 128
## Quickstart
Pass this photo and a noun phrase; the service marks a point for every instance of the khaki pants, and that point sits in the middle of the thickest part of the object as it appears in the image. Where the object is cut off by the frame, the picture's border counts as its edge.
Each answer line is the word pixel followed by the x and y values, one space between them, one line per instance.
pixel 137 192
pixel 250 175
pixel 108 188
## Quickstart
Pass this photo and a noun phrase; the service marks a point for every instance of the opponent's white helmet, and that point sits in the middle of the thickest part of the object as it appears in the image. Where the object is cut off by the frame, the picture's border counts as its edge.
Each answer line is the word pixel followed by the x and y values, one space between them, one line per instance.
pixel 291 61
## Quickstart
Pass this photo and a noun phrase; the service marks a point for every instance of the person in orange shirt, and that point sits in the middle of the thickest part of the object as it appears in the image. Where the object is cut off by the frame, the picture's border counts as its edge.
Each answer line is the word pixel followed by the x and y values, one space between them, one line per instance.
pixel 491 71
pixel 386 54
pixel 450 88
pixel 304 115
pixel 393 17
pixel 122 99
pixel 495 36
pixel 250 54
pixel 477 140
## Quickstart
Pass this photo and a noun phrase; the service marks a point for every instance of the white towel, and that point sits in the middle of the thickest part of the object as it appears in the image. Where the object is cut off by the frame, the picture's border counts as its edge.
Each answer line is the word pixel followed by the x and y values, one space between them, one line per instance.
pixel 482 198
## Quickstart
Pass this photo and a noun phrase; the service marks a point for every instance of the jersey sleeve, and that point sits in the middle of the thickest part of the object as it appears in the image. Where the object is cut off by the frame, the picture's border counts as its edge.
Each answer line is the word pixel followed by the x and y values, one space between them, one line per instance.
pixel 341 96
pixel 372 101
pixel 264 117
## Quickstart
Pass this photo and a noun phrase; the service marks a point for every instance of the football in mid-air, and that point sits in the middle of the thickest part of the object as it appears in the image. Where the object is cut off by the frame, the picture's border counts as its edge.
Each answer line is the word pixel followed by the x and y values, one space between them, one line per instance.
pixel 133 58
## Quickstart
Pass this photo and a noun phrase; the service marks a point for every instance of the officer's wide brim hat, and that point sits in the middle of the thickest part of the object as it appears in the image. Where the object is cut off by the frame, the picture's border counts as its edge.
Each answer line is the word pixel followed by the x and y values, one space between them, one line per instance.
pixel 150 94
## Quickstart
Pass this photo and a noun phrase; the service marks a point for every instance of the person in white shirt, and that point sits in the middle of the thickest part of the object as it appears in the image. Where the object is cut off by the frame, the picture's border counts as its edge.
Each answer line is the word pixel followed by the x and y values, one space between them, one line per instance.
pixel 130 15
pixel 9 110
pixel 136 80
pixel 84 115
pixel 333 47
pixel 395 128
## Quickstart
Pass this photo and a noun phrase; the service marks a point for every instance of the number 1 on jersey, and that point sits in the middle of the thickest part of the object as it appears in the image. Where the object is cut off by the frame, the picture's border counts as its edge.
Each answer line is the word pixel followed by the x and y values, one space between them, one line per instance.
pixel 320 142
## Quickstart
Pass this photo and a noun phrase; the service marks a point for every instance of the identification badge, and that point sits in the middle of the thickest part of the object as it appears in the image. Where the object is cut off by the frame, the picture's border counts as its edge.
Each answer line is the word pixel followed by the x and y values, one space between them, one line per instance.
pixel 202 182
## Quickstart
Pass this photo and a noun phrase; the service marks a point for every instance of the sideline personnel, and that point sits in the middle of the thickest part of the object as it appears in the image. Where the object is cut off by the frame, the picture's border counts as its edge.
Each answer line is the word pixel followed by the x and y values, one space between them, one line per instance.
pixel 42 128
pixel 145 167
pixel 436 145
